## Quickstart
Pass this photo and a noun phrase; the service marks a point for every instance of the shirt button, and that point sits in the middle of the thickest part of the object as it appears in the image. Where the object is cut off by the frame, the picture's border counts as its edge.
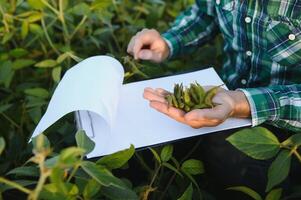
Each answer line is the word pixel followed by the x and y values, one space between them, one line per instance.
pixel 291 37
pixel 249 53
pixel 248 20
pixel 243 81
pixel 218 2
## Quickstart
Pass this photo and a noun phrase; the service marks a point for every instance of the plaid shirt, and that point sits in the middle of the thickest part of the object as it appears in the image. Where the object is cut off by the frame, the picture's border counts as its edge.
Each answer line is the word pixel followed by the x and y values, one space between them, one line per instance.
pixel 262 52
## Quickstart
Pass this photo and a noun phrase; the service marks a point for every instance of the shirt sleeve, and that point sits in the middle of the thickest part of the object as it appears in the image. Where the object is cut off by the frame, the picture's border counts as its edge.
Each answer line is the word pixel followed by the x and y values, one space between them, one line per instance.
pixel 192 28
pixel 279 105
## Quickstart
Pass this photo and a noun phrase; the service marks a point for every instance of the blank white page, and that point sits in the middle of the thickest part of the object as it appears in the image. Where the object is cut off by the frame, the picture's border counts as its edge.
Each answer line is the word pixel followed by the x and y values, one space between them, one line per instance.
pixel 138 124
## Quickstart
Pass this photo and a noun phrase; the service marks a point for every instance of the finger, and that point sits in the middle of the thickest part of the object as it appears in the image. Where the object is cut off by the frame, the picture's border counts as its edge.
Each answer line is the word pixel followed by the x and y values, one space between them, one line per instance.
pixel 153 96
pixel 162 91
pixel 219 112
pixel 138 44
pixel 142 39
pixel 131 45
pixel 172 112
pixel 203 123
pixel 147 54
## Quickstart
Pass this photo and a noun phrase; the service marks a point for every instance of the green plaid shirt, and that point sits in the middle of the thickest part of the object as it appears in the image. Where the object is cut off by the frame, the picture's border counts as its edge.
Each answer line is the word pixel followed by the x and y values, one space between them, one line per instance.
pixel 262 52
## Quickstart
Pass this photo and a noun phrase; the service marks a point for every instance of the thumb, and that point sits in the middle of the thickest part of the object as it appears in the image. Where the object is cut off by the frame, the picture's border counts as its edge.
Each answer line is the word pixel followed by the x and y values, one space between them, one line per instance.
pixel 146 54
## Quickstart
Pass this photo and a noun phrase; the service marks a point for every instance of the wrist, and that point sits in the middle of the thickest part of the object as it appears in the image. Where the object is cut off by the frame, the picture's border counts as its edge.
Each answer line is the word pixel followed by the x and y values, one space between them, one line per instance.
pixel 241 108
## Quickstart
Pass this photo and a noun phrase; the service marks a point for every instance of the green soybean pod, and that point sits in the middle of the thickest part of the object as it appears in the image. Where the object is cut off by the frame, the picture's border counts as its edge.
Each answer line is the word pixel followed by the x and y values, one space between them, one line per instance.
pixel 174 101
pixel 187 99
pixel 169 99
pixel 210 94
pixel 200 106
pixel 181 105
pixel 187 108
pixel 193 94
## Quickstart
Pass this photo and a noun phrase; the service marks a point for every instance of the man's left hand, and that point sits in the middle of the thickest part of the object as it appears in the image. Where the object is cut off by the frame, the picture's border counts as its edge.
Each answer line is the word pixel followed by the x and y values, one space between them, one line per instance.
pixel 228 104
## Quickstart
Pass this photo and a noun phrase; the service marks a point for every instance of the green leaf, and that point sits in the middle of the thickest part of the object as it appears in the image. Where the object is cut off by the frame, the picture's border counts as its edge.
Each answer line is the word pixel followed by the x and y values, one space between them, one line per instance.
pixel 187 195
pixel 22 63
pixel 101 175
pixel 2 144
pixel 247 191
pixel 193 167
pixel 274 194
pixel 36 4
pixel 84 142
pixel 155 154
pixel 36 29
pixel 101 4
pixel 258 143
pixel 46 63
pixel 118 159
pixel 6 73
pixel 279 169
pixel 91 189
pixel 24 29
pixel 169 166
pixel 166 153
pixel 5 107
pixel 36 16
pixel 294 140
pixel 18 52
pixel 118 194
pixel 71 155
pixel 81 9
pixel 37 92
pixel 62 57
pixel 40 143
pixel 56 74
pixel 25 171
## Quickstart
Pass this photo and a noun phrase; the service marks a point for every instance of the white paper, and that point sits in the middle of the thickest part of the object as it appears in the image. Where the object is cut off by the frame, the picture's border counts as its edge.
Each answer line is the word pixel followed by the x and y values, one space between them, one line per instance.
pixel 142 126
pixel 91 85
pixel 115 115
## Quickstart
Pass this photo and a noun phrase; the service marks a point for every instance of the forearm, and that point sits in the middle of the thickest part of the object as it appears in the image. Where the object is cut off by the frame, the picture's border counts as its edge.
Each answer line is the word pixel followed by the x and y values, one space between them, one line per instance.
pixel 279 105
pixel 191 29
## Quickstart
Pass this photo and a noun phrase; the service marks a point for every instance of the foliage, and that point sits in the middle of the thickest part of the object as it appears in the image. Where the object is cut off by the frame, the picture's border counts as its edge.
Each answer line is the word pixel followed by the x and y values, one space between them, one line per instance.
pixel 40 40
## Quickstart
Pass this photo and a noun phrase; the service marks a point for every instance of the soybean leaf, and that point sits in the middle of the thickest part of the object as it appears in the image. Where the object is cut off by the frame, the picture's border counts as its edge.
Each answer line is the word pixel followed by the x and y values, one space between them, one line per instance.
pixel 2 144
pixel 279 169
pixel 5 107
pixel 46 63
pixel 91 189
pixel 56 74
pixel 37 92
pixel 118 159
pixel 258 143
pixel 81 9
pixel 25 171
pixel 70 155
pixel 101 175
pixel 6 73
pixel 24 29
pixel 294 140
pixel 187 195
pixel 18 52
pixel 193 167
pixel 36 4
pixel 22 63
pixel 169 166
pixel 18 184
pixel 115 193
pixel 84 142
pixel 40 143
pixel 101 4
pixel 155 154
pixel 274 194
pixel 166 153
pixel 247 191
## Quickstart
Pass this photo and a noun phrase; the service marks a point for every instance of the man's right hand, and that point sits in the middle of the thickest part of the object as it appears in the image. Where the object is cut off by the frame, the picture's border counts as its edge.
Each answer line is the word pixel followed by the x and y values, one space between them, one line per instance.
pixel 148 45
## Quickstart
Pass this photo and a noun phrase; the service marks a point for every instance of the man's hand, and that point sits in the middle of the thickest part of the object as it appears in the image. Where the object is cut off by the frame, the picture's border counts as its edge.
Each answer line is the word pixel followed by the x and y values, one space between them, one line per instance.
pixel 228 104
pixel 148 45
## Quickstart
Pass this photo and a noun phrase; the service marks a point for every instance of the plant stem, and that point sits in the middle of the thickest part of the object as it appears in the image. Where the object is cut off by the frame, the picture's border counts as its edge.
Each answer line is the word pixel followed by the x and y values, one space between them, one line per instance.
pixel 296 153
pixel 147 168
pixel 10 120
pixel 78 26
pixel 75 168
pixel 62 19
pixel 155 176
pixel 15 185
pixel 47 36
pixel 50 7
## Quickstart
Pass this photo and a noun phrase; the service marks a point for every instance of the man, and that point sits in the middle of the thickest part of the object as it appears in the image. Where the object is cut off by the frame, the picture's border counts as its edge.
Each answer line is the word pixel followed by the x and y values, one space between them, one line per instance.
pixel 262 65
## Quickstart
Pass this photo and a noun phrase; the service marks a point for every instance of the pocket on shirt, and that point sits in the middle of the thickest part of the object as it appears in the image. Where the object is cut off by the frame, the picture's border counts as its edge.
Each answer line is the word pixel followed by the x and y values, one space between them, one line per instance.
pixel 224 10
pixel 284 40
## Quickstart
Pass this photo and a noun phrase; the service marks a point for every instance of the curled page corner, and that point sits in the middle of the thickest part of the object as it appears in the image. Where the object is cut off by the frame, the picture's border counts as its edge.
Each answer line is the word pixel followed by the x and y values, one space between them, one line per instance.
pixel 92 85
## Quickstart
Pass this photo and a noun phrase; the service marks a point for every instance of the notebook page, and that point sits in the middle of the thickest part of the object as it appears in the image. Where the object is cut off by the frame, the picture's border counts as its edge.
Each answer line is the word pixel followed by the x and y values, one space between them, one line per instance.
pixel 91 85
pixel 138 124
